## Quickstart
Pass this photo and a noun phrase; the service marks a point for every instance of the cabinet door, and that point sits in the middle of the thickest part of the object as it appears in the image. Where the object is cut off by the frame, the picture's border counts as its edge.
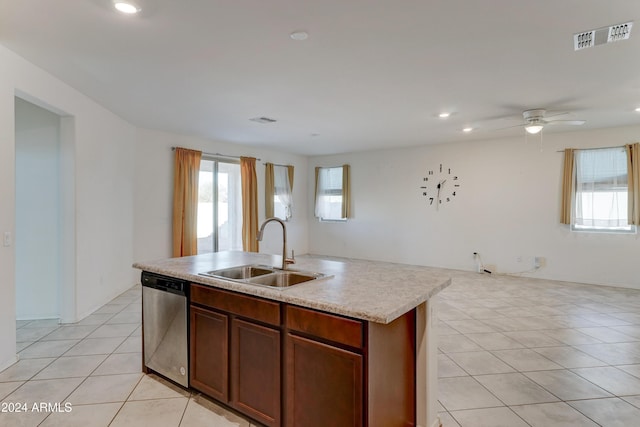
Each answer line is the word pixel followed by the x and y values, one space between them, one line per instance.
pixel 255 371
pixel 209 353
pixel 323 385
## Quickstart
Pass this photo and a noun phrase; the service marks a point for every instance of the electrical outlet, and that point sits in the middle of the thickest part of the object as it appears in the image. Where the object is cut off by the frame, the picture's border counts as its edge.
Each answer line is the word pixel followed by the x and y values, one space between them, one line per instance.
pixel 519 258
pixel 478 262
pixel 7 238
pixel 538 262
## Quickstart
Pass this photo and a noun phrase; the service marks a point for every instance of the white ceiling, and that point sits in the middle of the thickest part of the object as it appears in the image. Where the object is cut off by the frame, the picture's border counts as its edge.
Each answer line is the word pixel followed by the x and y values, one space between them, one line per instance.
pixel 372 74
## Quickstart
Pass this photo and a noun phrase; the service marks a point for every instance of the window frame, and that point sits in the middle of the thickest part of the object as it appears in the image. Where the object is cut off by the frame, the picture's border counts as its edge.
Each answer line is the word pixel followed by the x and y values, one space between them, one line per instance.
pixel 632 229
pixel 331 192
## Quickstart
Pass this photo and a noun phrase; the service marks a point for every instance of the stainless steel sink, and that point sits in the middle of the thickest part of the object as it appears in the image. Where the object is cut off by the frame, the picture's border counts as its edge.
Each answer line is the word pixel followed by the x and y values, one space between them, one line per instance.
pixel 284 278
pixel 240 273
pixel 264 275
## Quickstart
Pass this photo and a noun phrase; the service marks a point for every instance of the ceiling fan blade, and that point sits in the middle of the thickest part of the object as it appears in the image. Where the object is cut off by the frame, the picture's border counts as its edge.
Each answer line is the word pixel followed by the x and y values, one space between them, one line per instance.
pixel 511 127
pixel 546 116
pixel 566 122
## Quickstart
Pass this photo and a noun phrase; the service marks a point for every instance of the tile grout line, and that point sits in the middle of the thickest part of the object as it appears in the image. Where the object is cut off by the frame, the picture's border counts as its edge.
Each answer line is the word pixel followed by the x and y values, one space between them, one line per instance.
pixel 56 358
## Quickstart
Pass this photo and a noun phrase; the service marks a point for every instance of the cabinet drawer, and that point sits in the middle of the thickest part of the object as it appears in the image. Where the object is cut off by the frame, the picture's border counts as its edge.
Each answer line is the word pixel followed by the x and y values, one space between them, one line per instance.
pixel 238 304
pixel 327 326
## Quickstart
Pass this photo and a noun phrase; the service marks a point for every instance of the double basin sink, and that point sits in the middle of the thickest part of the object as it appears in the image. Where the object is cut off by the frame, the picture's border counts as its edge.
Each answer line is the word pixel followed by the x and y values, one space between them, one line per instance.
pixel 264 275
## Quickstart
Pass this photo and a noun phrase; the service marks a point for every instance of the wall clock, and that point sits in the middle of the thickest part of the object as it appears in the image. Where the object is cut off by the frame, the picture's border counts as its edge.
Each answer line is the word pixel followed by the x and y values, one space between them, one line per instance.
pixel 440 186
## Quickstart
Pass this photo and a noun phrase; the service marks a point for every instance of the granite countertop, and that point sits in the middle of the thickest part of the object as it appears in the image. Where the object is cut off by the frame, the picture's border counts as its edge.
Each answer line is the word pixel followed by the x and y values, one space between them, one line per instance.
pixel 368 290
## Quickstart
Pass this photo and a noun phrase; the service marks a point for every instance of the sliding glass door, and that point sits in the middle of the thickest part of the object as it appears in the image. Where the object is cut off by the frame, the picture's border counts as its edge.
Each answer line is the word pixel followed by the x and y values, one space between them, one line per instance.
pixel 219 206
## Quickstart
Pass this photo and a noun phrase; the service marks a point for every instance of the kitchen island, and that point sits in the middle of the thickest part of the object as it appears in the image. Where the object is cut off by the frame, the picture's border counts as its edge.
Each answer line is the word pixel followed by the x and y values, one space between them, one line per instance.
pixel 355 348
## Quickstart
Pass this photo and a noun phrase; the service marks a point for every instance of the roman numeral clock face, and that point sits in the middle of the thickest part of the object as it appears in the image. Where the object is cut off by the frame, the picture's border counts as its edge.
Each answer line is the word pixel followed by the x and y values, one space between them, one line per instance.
pixel 440 186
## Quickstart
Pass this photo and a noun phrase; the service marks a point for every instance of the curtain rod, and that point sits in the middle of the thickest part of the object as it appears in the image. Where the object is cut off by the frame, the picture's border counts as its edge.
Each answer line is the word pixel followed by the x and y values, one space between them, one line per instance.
pixel 597 148
pixel 276 164
pixel 217 154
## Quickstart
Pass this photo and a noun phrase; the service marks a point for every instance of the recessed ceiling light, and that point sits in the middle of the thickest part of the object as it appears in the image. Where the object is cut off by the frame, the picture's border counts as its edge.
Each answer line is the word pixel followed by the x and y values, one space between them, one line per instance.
pixel 638 110
pixel 444 115
pixel 126 7
pixel 467 129
pixel 299 35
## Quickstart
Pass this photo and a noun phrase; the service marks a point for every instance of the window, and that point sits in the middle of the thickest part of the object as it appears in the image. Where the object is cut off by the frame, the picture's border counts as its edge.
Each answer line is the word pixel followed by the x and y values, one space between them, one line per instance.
pixel 282 198
pixel 601 191
pixel 332 193
pixel 278 191
pixel 219 206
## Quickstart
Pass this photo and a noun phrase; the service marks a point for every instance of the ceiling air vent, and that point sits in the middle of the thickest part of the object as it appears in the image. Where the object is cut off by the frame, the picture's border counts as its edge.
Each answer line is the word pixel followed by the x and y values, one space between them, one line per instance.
pixel 602 35
pixel 584 40
pixel 263 120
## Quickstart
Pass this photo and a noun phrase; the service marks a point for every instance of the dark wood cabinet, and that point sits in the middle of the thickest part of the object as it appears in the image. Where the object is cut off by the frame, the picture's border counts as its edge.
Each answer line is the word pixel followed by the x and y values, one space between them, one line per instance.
pixel 255 371
pixel 346 372
pixel 235 351
pixel 324 385
pixel 209 353
pixel 285 365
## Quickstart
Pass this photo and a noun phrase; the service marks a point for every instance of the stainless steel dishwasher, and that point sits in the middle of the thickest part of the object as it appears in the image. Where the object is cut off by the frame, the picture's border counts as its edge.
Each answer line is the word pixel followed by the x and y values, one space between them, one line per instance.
pixel 164 316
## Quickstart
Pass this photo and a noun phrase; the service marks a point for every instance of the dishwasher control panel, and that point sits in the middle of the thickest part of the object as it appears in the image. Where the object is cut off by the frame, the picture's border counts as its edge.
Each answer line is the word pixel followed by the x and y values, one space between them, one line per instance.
pixel 164 283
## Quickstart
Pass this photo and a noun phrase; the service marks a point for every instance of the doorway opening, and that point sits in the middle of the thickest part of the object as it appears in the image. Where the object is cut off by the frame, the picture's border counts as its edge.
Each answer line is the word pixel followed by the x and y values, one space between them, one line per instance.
pixel 45 218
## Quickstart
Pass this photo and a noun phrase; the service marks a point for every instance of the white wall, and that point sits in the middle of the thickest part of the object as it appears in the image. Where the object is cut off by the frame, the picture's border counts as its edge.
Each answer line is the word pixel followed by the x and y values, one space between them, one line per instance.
pixel 154 192
pixel 103 151
pixel 507 207
pixel 37 236
pixel 7 223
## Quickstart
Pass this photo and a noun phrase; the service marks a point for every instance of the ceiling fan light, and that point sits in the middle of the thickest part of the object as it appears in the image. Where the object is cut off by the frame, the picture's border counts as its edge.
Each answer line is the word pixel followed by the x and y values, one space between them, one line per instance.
pixel 533 129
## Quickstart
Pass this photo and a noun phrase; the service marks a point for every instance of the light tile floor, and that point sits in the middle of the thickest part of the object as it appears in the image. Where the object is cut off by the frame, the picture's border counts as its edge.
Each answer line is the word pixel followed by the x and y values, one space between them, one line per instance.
pixel 94 365
pixel 522 352
pixel 513 352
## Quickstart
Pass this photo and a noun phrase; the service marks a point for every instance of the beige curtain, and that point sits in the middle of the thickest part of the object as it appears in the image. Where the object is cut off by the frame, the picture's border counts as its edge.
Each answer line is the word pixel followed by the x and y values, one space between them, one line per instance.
pixel 568 183
pixel 290 173
pixel 269 190
pixel 249 204
pixel 633 174
pixel 346 191
pixel 185 202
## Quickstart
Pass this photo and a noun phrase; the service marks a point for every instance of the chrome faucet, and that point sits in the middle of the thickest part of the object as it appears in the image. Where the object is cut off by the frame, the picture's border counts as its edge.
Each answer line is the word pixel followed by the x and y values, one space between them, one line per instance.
pixel 285 261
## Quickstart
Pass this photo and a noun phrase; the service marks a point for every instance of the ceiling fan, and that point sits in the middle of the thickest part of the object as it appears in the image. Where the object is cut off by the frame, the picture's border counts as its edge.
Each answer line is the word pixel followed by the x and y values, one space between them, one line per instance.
pixel 535 120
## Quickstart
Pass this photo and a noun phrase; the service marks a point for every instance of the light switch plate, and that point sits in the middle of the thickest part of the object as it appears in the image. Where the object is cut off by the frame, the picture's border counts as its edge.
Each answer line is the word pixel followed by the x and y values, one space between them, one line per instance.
pixel 6 241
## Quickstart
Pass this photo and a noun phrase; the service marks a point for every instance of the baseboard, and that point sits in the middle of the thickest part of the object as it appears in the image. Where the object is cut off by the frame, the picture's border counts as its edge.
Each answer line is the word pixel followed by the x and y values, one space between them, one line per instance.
pixel 38 318
pixel 436 423
pixel 9 362
pixel 111 297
